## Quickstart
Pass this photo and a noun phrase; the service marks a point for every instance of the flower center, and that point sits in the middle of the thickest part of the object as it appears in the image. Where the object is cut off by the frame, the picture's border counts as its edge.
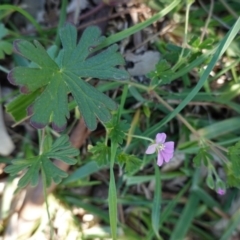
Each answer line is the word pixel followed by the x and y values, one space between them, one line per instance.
pixel 161 147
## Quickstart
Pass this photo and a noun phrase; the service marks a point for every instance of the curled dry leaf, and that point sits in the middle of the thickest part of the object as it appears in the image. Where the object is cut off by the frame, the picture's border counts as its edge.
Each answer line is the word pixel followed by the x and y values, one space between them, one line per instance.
pixel 142 64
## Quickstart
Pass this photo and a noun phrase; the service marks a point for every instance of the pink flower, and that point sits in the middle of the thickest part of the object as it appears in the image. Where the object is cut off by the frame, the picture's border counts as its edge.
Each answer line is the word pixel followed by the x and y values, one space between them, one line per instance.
pixel 221 191
pixel 164 149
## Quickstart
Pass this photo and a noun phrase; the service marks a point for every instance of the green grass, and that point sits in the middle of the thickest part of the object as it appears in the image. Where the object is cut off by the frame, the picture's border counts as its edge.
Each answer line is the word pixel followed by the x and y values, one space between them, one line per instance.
pixel 194 110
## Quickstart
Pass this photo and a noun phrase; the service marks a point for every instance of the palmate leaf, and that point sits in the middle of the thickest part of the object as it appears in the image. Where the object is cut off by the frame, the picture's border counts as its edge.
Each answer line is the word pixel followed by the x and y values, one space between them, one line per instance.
pixel 63 74
pixel 101 154
pixel 132 163
pixel 61 149
pixel 116 129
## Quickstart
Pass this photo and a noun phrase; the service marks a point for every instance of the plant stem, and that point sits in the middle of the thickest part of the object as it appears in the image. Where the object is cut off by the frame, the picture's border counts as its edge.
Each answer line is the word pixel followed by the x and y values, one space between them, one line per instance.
pixel 140 137
pixel 112 197
pixel 47 205
pixel 41 135
pixel 3 69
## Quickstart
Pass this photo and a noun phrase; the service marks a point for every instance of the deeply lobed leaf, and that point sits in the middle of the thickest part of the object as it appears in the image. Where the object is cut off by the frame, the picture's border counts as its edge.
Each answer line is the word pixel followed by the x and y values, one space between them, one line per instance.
pixel 116 129
pixel 132 163
pixel 101 154
pixel 61 149
pixel 57 77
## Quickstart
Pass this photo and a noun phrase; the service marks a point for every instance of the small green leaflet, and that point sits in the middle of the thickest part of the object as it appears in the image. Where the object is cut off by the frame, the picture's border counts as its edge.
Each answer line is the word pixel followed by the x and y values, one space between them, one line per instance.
pixel 210 181
pixel 5 47
pixel 233 167
pixel 202 155
pixel 132 163
pixel 17 108
pixel 232 179
pixel 101 154
pixel 197 44
pixel 63 74
pixel 162 71
pixel 61 150
pixel 116 129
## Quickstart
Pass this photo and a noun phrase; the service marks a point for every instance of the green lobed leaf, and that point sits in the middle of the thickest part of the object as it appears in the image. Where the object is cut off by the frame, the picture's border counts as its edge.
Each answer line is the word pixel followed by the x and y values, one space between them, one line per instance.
pixel 232 179
pixel 31 175
pixel 57 77
pixel 116 129
pixel 18 166
pixel 198 45
pixel 101 154
pixel 202 155
pixel 61 149
pixel 132 163
pixel 232 168
pixel 162 71
pixel 234 157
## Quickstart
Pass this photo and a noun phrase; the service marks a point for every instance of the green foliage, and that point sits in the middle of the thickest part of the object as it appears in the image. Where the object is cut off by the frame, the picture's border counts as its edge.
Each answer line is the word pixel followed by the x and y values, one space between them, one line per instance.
pixel 18 107
pixel 202 156
pixel 210 181
pixel 146 111
pixel 232 169
pixel 173 53
pixel 198 45
pixel 61 150
pixel 116 130
pixel 220 184
pixel 232 179
pixel 5 47
pixel 101 154
pixel 175 57
pixel 193 84
pixel 132 163
pixel 63 74
pixel 47 143
pixel 162 71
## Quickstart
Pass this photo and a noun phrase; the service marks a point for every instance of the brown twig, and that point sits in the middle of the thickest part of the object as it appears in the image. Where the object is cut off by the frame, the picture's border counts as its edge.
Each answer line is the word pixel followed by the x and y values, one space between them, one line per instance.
pixel 92 11
pixel 95 22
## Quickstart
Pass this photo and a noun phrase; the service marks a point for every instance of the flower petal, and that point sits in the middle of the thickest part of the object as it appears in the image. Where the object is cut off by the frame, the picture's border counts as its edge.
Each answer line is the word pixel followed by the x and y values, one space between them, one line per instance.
pixel 221 191
pixel 161 137
pixel 169 147
pixel 151 149
pixel 160 159
pixel 167 156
